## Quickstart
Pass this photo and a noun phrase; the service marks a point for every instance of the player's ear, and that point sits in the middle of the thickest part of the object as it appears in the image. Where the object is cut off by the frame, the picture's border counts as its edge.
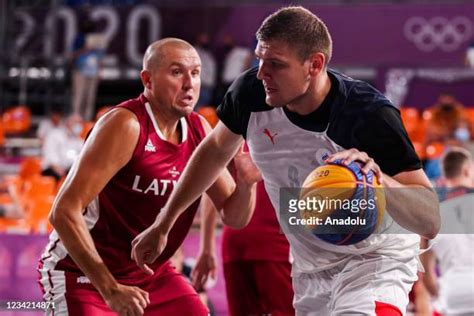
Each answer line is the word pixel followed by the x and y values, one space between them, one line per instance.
pixel 316 63
pixel 145 76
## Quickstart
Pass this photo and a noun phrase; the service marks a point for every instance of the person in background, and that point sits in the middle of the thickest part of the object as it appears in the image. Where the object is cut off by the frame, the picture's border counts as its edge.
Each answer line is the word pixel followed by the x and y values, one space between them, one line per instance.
pixel 208 70
pixel 232 60
pixel 53 121
pixel 448 126
pixel 451 252
pixel 448 123
pixel 87 54
pixel 61 147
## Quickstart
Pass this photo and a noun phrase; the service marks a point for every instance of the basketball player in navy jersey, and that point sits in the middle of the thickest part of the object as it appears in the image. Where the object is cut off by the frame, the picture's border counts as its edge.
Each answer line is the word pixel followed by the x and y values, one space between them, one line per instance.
pixel 127 170
pixel 294 111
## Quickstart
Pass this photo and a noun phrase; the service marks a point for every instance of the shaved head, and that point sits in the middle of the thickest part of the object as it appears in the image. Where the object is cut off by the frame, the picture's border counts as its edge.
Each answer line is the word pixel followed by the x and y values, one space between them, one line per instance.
pixel 157 51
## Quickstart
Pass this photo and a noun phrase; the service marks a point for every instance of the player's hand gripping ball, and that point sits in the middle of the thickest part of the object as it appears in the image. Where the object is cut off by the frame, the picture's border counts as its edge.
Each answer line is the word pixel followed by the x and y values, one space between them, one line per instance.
pixel 349 204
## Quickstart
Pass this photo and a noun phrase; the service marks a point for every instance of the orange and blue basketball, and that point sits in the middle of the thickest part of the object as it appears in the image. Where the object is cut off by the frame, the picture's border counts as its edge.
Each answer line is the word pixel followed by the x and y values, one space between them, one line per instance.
pixel 351 204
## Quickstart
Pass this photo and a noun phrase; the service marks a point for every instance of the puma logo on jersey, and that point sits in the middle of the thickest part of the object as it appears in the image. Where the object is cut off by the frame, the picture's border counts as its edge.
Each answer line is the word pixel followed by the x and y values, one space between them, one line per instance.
pixel 269 135
pixel 149 146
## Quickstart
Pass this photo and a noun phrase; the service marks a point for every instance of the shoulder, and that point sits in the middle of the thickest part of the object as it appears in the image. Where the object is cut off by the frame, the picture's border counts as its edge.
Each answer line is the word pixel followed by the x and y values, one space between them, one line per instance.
pixel 360 97
pixel 118 121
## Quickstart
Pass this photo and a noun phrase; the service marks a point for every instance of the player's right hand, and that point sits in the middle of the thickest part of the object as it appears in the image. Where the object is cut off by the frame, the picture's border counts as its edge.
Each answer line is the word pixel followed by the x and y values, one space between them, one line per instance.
pixel 127 300
pixel 147 246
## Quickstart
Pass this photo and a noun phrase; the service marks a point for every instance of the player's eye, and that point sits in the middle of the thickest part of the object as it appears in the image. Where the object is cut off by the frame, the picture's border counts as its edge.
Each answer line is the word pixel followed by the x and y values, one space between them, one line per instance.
pixel 274 64
pixel 176 72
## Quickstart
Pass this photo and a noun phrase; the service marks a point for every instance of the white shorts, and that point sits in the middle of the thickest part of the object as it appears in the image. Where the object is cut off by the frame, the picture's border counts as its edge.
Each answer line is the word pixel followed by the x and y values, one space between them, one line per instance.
pixel 354 287
pixel 456 292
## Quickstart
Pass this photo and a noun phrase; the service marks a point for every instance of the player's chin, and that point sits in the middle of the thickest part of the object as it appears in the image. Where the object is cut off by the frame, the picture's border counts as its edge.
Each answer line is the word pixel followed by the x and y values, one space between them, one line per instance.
pixel 185 107
pixel 274 102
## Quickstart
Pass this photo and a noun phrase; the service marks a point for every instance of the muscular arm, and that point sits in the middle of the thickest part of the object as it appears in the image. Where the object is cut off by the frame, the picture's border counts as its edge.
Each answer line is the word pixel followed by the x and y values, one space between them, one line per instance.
pixel 102 156
pixel 412 202
pixel 206 260
pixel 206 170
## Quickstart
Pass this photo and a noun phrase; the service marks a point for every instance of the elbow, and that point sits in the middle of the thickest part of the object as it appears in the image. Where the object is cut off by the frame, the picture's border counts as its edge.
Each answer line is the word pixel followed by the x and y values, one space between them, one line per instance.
pixel 236 223
pixel 53 218
pixel 57 217
pixel 432 232
pixel 433 227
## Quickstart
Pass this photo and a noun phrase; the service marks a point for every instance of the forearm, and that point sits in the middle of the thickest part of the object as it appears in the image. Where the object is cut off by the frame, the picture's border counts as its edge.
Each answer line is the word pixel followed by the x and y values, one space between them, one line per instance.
pixel 415 208
pixel 205 165
pixel 75 236
pixel 238 209
pixel 208 226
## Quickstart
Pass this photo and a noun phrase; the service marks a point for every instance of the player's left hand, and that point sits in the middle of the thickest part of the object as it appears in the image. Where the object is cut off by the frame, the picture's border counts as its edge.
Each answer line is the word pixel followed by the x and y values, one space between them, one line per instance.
pixel 246 170
pixel 350 155
pixel 147 247
pixel 204 269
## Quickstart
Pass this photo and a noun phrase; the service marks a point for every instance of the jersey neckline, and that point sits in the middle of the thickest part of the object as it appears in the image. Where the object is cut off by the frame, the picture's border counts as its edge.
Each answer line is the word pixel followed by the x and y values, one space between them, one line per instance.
pixel 183 124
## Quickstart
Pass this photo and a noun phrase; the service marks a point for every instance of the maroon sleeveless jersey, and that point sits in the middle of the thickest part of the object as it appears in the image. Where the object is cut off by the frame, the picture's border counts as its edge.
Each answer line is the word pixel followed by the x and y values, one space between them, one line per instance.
pixel 131 200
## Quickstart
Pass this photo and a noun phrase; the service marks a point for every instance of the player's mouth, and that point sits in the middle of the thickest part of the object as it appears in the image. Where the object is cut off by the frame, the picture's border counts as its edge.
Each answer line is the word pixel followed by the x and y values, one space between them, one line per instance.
pixel 187 99
pixel 269 90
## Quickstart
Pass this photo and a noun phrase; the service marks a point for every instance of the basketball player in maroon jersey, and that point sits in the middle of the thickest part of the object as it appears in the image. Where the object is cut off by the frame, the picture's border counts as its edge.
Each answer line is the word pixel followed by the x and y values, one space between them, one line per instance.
pixel 123 177
pixel 256 261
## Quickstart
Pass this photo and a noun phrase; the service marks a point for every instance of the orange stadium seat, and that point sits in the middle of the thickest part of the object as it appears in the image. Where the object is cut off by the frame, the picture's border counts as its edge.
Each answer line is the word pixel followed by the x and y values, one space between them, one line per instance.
pixel 2 135
pixel 209 113
pixel 434 150
pixel 30 166
pixel 420 149
pixel 16 120
pixel 37 210
pixel 39 186
pixel 409 115
pixel 470 117
pixel 86 128
pixel 411 120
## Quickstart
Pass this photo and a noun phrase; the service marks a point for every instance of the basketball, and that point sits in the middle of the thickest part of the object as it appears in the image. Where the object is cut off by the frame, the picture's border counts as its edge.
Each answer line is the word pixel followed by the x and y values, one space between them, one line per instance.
pixel 344 206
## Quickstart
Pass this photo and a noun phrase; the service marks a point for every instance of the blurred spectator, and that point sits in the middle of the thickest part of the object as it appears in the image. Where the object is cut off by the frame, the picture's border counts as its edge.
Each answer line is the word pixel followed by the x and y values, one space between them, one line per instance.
pixel 448 123
pixel 233 61
pixel 88 51
pixel 53 121
pixel 61 147
pixel 208 70
pixel 236 61
pixel 449 274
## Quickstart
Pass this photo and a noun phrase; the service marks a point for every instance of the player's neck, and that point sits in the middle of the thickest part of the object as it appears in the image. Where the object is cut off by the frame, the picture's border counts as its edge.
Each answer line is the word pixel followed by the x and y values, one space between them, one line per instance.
pixel 456 183
pixel 314 97
pixel 168 124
